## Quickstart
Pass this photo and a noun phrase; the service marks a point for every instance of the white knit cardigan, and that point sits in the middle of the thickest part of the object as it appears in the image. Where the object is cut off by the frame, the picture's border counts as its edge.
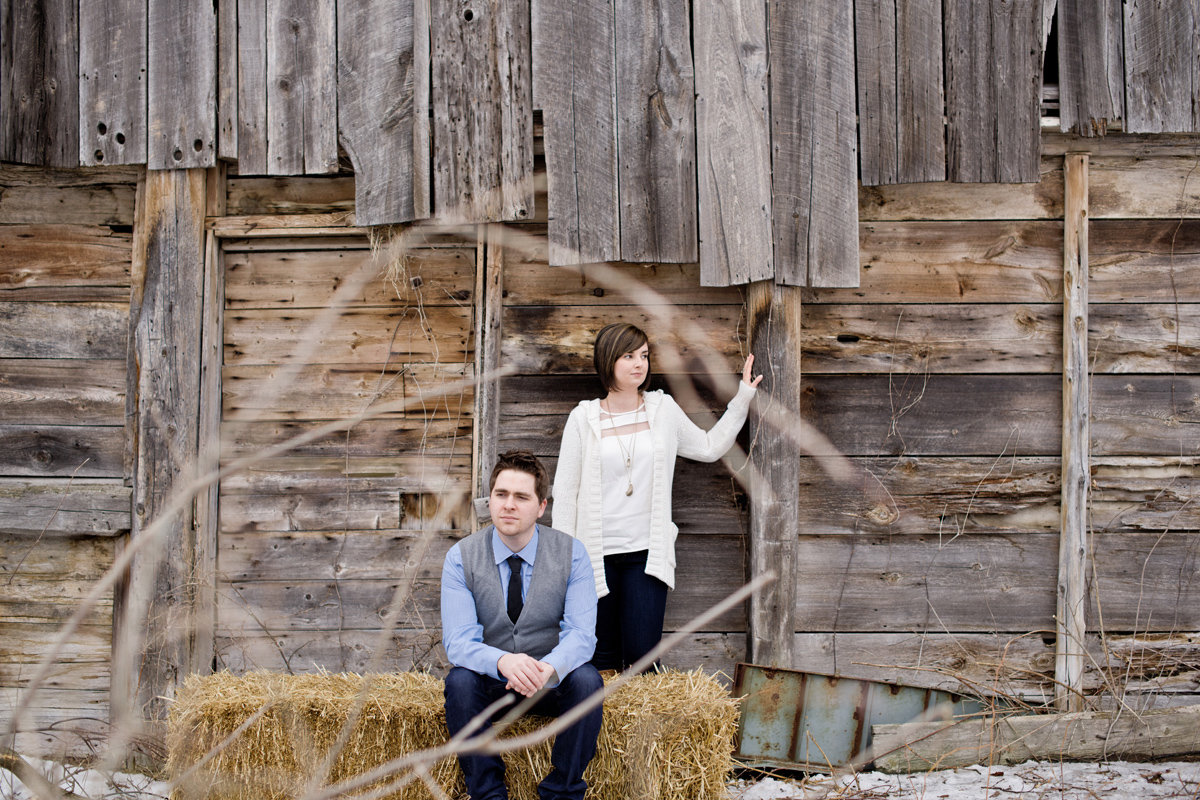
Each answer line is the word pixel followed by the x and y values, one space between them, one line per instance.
pixel 577 495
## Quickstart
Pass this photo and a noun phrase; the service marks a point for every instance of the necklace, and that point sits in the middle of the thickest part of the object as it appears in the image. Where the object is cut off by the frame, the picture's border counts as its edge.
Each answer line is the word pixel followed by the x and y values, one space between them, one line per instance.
pixel 627 455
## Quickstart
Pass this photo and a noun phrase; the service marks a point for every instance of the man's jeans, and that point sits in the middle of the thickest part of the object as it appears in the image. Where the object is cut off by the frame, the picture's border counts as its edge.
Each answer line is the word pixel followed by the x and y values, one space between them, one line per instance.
pixel 469 693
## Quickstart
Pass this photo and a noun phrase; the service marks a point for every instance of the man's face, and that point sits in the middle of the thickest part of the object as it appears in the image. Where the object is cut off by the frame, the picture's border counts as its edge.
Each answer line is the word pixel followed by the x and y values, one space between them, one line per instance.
pixel 513 503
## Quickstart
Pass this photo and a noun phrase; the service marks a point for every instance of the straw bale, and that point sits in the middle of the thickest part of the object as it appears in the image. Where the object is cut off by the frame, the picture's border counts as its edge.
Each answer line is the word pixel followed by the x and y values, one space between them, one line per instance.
pixel 665 735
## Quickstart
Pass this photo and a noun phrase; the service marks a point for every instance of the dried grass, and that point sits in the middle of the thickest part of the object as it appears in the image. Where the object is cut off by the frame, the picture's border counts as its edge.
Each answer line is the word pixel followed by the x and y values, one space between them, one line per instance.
pixel 665 735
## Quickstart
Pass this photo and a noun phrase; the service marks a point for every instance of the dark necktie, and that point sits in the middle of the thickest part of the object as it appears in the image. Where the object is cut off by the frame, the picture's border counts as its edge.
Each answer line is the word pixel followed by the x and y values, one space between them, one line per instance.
pixel 514 588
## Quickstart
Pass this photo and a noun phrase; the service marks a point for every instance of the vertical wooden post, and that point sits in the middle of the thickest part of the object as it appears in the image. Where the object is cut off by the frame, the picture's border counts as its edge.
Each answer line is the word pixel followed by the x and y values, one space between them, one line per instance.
pixel 155 642
pixel 1071 626
pixel 773 314
pixel 489 308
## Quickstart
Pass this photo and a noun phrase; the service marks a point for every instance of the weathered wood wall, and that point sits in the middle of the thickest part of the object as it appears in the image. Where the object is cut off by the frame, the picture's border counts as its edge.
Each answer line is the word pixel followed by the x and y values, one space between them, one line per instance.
pixel 65 255
pixel 313 544
pixel 940 376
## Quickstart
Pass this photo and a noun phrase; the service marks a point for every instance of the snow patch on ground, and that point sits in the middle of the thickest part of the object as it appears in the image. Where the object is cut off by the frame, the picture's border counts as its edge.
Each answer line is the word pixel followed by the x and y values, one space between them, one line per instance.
pixel 1032 780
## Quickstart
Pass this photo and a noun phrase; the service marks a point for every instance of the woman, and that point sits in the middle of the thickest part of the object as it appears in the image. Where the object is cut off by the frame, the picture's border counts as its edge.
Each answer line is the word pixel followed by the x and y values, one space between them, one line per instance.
pixel 612 488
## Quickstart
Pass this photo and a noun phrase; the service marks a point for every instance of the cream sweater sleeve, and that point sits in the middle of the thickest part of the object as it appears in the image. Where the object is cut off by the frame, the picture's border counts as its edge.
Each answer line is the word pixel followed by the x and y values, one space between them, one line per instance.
pixel 698 445
pixel 567 474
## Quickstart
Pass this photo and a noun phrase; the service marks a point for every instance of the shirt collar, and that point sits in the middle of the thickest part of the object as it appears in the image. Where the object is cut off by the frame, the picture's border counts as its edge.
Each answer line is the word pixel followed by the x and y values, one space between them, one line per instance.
pixel 501 552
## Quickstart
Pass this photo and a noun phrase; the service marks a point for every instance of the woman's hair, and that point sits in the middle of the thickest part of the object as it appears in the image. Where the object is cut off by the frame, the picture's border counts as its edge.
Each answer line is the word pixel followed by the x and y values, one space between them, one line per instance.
pixel 612 342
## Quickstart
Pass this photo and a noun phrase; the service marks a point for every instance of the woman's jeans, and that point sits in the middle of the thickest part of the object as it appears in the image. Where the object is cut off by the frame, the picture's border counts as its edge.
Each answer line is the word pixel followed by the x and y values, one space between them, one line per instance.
pixel 629 619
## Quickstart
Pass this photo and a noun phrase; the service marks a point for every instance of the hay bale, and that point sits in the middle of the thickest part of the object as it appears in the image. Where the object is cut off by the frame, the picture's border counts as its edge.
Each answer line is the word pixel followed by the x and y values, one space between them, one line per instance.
pixel 665 735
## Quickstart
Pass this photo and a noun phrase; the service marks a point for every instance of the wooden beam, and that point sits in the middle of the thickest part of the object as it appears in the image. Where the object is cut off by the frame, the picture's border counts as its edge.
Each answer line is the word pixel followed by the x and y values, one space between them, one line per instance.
pixel 1086 736
pixel 1091 63
pixel 489 313
pixel 155 643
pixel 1071 617
pixel 1160 66
pixel 773 319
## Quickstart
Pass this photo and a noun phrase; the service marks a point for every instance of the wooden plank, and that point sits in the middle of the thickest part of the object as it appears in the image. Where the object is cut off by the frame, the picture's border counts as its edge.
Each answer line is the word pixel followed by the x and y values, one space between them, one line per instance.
pixel 482 111
pixel 403 473
pixel 367 439
pixel 252 86
pixel 376 113
pixel 1143 415
pixel 709 568
pixel 64 263
pixel 301 87
pixel 286 279
pixel 920 339
pixel 540 340
pixel 293 226
pixel 534 283
pixel 39 87
pixel 312 392
pixel 1143 260
pixel 1070 618
pixel 656 131
pixel 182 85
pixel 993 73
pixel 733 142
pixel 957 201
pixel 575 61
pixel 62 330
pixel 63 451
pixel 308 512
pixel 208 434
pixel 920 101
pixel 99 196
pixel 57 507
pixel 344 555
pixel 62 392
pixel 878 73
pixel 489 334
pixel 1091 64
pixel 1160 68
pixel 25 645
pixel 814 153
pixel 42 567
pixel 1015 66
pixel 167 335
pixel 112 82
pixel 773 315
pixel 365 335
pixel 1081 736
pixel 987 583
pixel 227 81
pixel 293 195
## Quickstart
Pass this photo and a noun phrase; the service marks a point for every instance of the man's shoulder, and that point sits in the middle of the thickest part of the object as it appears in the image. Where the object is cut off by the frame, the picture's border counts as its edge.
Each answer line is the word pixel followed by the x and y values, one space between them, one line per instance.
pixel 480 538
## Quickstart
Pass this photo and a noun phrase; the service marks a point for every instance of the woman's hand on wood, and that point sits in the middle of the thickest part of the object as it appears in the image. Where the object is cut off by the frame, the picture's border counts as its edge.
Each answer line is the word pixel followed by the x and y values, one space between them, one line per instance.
pixel 746 379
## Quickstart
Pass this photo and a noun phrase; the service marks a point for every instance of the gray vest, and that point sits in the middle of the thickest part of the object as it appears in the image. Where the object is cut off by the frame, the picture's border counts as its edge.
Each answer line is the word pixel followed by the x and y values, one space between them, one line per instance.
pixel 536 630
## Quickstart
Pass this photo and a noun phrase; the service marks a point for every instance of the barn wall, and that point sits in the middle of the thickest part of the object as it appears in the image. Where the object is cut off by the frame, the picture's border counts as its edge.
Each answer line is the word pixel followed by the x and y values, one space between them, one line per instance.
pixel 941 377
pixel 314 544
pixel 65 253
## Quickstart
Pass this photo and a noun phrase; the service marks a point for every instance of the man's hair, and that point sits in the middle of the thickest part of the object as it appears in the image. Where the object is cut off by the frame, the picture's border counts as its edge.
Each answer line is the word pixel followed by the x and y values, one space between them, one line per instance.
pixel 523 461
pixel 612 342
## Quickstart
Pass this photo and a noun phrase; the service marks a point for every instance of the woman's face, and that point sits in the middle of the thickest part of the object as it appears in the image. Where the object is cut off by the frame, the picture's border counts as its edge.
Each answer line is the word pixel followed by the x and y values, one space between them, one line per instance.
pixel 631 368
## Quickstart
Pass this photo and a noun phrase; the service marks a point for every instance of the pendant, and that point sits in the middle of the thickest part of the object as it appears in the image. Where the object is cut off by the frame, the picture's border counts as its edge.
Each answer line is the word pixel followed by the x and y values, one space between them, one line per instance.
pixel 629 491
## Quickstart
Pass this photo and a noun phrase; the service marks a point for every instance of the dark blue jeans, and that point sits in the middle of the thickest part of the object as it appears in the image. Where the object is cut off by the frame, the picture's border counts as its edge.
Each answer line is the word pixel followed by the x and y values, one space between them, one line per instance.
pixel 629 619
pixel 469 693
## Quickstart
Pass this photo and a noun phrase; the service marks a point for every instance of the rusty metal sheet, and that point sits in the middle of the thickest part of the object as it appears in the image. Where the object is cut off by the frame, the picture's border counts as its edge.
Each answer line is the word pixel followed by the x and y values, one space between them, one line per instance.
pixel 809 721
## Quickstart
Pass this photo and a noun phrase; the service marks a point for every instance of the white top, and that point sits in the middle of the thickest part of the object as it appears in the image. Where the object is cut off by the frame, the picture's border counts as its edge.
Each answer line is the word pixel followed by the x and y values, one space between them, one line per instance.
pixel 626 516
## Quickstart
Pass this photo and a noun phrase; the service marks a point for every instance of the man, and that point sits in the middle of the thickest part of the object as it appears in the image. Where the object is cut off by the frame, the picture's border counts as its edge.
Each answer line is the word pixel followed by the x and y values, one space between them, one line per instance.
pixel 519 615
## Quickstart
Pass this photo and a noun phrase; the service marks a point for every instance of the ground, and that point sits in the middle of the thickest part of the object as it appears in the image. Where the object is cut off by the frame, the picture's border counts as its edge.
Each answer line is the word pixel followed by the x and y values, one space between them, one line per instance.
pixel 1028 781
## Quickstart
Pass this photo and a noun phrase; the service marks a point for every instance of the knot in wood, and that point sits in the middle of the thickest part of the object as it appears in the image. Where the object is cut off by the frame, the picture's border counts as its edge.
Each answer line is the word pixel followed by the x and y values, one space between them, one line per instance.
pixel 882 515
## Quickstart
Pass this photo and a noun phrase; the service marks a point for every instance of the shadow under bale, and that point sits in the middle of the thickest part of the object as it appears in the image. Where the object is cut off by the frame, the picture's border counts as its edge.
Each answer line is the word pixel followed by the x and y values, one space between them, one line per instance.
pixel 665 735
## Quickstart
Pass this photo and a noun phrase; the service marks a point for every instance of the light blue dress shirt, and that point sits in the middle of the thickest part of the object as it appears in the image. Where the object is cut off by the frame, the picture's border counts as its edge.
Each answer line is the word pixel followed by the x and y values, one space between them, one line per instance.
pixel 462 632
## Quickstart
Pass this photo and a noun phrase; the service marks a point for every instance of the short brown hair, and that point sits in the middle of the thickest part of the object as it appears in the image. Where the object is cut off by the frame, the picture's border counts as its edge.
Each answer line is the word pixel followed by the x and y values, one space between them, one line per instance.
pixel 523 461
pixel 612 342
